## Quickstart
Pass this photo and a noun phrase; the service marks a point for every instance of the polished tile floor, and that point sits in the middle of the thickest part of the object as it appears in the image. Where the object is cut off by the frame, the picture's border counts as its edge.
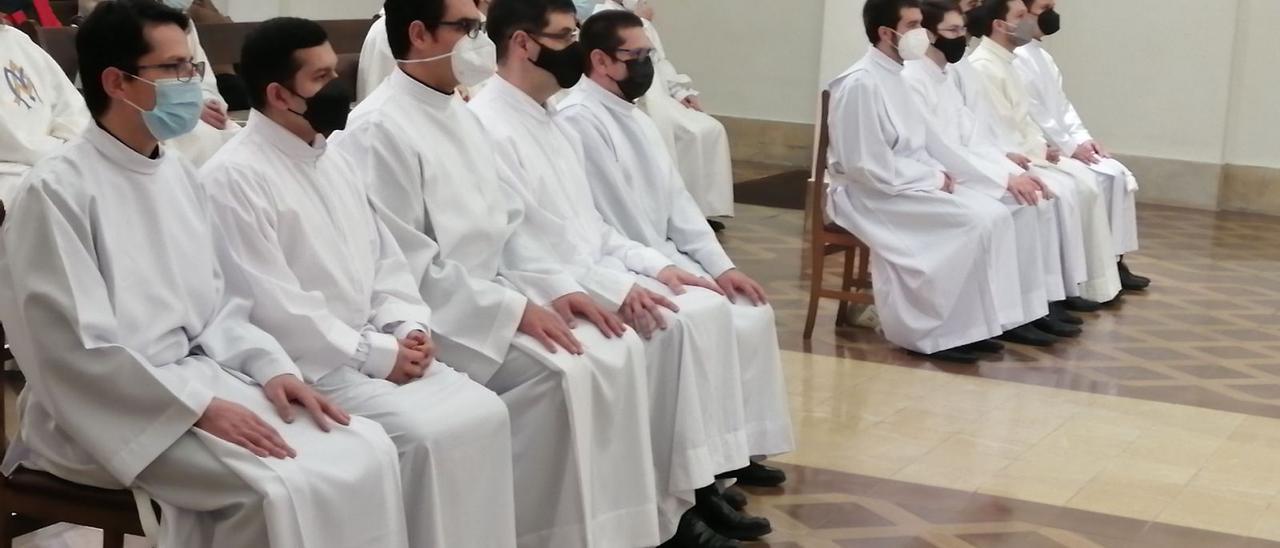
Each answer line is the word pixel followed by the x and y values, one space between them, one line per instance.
pixel 1160 427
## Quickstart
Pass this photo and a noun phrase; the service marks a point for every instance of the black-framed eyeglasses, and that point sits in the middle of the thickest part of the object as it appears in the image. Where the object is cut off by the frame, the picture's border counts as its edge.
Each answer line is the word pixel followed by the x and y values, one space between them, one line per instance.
pixel 471 27
pixel 958 29
pixel 634 53
pixel 183 71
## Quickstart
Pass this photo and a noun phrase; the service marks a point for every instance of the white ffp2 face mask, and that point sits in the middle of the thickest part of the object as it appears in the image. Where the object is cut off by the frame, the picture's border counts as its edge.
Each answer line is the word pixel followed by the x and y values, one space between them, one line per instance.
pixel 914 44
pixel 474 59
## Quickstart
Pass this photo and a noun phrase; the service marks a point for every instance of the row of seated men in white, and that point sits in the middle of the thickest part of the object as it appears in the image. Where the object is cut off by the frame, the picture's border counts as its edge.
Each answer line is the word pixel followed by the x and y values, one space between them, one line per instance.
pixel 450 324
pixel 990 210
pixel 697 142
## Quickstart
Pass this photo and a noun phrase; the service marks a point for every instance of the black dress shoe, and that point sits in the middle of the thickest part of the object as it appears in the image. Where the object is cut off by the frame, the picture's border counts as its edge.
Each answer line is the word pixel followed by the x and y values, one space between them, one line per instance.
pixel 757 475
pixel 961 355
pixel 721 517
pixel 716 226
pixel 735 497
pixel 1057 328
pixel 693 533
pixel 984 347
pixel 1029 336
pixel 1078 304
pixel 1130 281
pixel 1058 311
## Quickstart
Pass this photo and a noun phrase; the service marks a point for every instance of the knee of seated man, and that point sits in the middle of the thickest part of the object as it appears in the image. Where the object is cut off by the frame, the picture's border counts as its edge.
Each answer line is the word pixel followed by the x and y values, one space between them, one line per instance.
pixel 471 412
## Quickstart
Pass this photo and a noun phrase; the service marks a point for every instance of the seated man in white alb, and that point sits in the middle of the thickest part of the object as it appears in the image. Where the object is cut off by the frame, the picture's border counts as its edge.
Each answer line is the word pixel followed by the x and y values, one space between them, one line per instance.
pixel 577 396
pixel 696 141
pixel 142 371
pixel 377 63
pixel 984 166
pixel 328 281
pixel 215 127
pixel 539 56
pixel 1055 114
pixel 1006 25
pixel 41 111
pixel 638 191
pixel 937 248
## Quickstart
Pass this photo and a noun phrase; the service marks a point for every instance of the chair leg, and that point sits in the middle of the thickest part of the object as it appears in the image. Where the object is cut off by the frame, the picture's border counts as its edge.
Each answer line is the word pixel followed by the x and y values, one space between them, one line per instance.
pixel 846 283
pixel 818 262
pixel 864 267
pixel 112 539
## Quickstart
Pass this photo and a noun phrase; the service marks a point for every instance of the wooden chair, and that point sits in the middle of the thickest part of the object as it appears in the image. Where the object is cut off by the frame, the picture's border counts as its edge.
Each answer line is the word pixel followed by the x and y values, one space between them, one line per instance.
pixel 31 500
pixel 828 238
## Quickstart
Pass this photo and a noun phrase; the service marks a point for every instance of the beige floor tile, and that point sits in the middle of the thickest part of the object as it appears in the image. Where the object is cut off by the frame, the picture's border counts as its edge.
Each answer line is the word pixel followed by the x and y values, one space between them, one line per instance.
pixel 1179 448
pixel 1207 509
pixel 1257 431
pixel 1170 479
pixel 1269 525
pixel 954 465
pixel 913 417
pixel 1119 500
pixel 1034 489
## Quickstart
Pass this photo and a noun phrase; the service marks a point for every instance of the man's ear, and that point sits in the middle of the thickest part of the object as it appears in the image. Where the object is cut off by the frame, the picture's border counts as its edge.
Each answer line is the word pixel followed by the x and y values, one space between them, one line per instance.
pixel 113 80
pixel 419 36
pixel 599 59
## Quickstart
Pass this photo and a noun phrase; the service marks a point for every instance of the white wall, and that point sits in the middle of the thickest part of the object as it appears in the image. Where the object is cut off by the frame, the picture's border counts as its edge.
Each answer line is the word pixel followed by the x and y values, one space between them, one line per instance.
pixel 843 39
pixel 1150 77
pixel 749 58
pixel 1253 137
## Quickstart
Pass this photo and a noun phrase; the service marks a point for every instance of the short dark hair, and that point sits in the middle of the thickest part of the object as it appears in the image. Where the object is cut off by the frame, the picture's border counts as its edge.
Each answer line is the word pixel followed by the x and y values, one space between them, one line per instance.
pixel 981 20
pixel 602 31
pixel 402 13
pixel 269 54
pixel 113 36
pixel 936 10
pixel 884 13
pixel 507 17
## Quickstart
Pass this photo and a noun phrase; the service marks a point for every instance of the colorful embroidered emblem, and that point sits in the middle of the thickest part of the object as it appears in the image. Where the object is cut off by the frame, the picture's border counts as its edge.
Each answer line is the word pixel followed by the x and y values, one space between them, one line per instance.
pixel 21 86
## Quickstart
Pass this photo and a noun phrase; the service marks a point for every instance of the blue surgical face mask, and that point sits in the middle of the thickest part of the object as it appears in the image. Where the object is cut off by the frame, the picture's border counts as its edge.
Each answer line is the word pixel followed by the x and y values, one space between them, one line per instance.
pixel 177 111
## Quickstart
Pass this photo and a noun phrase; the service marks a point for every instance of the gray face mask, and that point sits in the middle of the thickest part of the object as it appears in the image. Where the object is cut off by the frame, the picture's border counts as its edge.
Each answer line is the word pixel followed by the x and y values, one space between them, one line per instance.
pixel 1024 33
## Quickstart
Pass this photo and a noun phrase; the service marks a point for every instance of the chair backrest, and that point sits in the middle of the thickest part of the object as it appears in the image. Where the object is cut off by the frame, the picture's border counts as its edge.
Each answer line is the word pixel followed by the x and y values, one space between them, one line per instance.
pixel 222 41
pixel 818 186
pixel 59 43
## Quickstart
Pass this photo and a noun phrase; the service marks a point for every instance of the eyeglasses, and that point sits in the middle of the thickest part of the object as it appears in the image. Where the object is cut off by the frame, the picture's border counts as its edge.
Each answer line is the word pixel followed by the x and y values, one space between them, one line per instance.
pixel 566 36
pixel 471 27
pixel 959 29
pixel 183 71
pixel 635 53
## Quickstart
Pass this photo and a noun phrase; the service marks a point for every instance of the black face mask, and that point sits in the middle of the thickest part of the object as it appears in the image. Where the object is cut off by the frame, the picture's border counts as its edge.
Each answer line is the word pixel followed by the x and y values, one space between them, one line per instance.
pixel 953 48
pixel 1050 22
pixel 565 64
pixel 328 109
pixel 639 79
